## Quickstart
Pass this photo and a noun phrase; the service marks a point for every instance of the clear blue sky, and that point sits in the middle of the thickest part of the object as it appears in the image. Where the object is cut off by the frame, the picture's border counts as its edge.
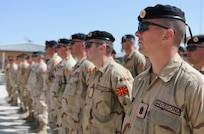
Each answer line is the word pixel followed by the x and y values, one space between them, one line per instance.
pixel 40 20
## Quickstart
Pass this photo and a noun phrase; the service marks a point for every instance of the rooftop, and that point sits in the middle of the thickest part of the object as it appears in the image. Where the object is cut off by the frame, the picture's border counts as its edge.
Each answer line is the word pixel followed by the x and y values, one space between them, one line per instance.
pixel 22 47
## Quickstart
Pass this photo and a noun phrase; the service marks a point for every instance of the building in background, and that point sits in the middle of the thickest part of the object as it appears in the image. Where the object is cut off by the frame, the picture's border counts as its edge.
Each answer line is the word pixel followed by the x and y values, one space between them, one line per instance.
pixel 16 49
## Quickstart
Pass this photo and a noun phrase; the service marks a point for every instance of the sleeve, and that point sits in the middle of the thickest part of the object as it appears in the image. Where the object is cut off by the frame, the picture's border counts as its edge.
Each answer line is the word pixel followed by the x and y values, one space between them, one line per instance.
pixel 195 108
pixel 123 88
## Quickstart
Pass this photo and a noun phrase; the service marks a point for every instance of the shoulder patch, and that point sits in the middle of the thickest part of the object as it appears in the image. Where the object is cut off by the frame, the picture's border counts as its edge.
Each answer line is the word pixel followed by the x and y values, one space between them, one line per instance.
pixel 122 90
pixel 68 71
pixel 89 70
pixel 140 66
pixel 56 62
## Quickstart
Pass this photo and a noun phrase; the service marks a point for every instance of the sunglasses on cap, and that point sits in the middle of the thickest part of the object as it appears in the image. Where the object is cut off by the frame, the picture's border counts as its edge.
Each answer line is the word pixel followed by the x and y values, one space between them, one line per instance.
pixel 193 48
pixel 89 43
pixel 144 26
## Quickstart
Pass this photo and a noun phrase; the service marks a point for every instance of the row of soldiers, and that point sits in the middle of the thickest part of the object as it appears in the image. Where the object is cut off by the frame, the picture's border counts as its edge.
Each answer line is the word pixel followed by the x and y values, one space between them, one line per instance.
pixel 52 88
pixel 80 89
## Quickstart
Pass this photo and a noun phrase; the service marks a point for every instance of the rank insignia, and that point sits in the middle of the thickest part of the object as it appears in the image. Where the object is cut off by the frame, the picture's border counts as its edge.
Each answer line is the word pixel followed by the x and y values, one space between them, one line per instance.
pixel 142 13
pixel 124 37
pixel 121 90
pixel 90 34
pixel 91 92
pixel 142 110
pixel 195 39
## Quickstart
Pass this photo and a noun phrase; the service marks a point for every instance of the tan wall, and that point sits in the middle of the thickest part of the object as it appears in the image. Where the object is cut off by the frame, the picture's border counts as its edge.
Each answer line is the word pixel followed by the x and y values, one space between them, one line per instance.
pixel 10 53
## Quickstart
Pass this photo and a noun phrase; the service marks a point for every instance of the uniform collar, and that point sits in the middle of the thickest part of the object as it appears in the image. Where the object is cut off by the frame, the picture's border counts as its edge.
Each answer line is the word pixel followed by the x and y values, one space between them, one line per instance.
pixel 130 55
pixel 80 62
pixel 53 57
pixel 105 64
pixel 168 71
pixel 202 69
pixel 69 57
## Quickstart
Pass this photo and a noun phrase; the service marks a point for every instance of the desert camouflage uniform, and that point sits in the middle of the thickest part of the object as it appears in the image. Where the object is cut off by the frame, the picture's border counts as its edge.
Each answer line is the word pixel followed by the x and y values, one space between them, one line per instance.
pixel 172 103
pixel 74 96
pixel 37 88
pixel 22 82
pixel 108 98
pixel 13 69
pixel 58 86
pixel 49 77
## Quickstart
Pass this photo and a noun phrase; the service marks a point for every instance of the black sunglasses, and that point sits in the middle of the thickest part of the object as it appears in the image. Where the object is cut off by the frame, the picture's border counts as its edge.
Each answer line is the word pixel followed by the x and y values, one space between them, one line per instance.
pixel 144 26
pixel 89 43
pixel 193 48
pixel 59 46
pixel 72 42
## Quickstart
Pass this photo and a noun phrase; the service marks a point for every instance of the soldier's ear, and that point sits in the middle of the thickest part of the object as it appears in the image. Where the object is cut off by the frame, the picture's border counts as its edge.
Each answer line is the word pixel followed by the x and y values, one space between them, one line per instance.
pixel 102 46
pixel 84 44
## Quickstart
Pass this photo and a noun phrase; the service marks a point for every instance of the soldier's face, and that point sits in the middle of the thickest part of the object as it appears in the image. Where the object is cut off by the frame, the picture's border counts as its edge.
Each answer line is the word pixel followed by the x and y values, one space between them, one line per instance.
pixel 61 49
pixel 92 50
pixel 149 39
pixel 75 47
pixel 195 55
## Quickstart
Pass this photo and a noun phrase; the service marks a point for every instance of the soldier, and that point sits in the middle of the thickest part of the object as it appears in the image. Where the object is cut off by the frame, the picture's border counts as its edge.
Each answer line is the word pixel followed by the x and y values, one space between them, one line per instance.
pixel 8 85
pixel 167 97
pixel 108 94
pixel 76 87
pixel 53 60
pixel 133 60
pixel 13 69
pixel 62 71
pixel 40 108
pixel 18 85
pixel 195 52
pixel 32 64
pixel 24 72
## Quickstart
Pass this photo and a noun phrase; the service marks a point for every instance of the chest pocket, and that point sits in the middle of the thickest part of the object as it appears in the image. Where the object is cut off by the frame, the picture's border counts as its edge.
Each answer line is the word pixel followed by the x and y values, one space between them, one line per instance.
pixel 73 84
pixel 103 102
pixel 165 121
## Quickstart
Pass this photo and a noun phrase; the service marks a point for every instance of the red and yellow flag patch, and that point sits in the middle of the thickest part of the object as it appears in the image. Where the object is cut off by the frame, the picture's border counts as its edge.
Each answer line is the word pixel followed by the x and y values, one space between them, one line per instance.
pixel 68 71
pixel 121 90
pixel 89 70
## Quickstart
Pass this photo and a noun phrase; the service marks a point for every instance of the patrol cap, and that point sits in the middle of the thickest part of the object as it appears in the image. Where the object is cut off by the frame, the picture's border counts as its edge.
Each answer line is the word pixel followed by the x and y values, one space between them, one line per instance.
pixel 199 39
pixel 18 56
pixel 24 56
pixel 79 36
pixel 51 43
pixel 102 35
pixel 128 37
pixel 40 53
pixel 64 41
pixel 162 11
